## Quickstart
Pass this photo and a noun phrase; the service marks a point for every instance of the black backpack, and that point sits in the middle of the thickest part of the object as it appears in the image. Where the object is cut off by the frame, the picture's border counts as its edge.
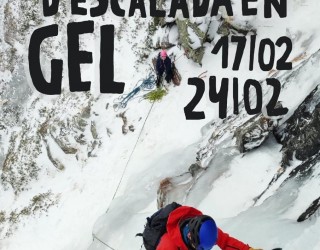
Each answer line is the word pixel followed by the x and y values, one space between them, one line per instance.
pixel 156 226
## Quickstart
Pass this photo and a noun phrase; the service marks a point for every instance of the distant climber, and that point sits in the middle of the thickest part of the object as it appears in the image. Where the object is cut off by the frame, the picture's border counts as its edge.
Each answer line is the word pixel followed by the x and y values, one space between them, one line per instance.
pixel 177 227
pixel 163 65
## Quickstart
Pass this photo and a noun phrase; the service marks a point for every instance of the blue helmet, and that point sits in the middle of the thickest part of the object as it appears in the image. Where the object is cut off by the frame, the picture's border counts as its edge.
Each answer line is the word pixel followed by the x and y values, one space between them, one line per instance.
pixel 203 232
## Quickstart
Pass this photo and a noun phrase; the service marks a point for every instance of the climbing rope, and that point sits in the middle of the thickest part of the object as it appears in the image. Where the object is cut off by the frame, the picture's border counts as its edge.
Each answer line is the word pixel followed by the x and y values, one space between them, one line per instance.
pixel 146 84
pixel 123 173
pixel 95 237
pixel 132 152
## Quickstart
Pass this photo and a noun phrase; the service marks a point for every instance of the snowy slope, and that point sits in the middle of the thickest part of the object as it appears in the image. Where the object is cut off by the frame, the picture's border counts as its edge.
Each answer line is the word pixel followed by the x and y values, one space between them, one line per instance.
pixel 108 196
pixel 228 189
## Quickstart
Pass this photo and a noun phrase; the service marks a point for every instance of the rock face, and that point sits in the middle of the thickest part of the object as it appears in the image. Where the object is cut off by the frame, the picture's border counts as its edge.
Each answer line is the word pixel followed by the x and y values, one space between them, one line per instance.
pixel 191 38
pixel 36 134
pixel 41 134
pixel 26 139
pixel 37 147
pixel 19 17
pixel 18 24
pixel 300 134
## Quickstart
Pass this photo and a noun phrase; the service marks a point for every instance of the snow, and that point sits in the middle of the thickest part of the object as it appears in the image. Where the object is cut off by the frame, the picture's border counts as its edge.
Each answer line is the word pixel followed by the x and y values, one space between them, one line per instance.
pixel 111 195
pixel 245 177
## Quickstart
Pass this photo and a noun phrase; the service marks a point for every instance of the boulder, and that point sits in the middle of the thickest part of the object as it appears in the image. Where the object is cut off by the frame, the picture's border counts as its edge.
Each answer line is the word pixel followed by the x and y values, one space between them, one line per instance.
pixel 253 133
pixel 191 38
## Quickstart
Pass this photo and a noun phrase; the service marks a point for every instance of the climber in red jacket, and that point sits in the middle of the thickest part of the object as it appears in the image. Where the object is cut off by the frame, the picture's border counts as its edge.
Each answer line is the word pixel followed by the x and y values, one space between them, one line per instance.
pixel 189 229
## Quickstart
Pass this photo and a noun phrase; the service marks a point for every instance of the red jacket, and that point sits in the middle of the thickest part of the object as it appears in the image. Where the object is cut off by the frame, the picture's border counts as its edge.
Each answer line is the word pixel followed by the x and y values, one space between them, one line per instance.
pixel 172 240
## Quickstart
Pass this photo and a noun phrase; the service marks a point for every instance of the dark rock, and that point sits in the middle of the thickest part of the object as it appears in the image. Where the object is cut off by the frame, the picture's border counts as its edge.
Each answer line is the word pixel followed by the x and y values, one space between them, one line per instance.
pixel 85 113
pixel 131 128
pixel 300 134
pixel 304 170
pixel 81 139
pixel 93 130
pixel 125 122
pixel 315 205
pixel 194 169
pixel 65 147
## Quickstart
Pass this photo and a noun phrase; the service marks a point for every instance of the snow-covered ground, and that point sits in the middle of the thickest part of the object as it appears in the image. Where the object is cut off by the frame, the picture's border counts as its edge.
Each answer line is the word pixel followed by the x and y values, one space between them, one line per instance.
pixel 110 195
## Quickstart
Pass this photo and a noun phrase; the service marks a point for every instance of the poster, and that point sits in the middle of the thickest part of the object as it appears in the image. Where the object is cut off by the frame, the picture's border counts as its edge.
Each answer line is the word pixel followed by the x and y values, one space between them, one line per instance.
pixel 110 110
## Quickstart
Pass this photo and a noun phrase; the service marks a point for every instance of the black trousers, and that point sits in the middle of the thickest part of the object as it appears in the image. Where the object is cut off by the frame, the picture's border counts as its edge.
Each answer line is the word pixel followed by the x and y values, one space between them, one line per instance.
pixel 159 81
